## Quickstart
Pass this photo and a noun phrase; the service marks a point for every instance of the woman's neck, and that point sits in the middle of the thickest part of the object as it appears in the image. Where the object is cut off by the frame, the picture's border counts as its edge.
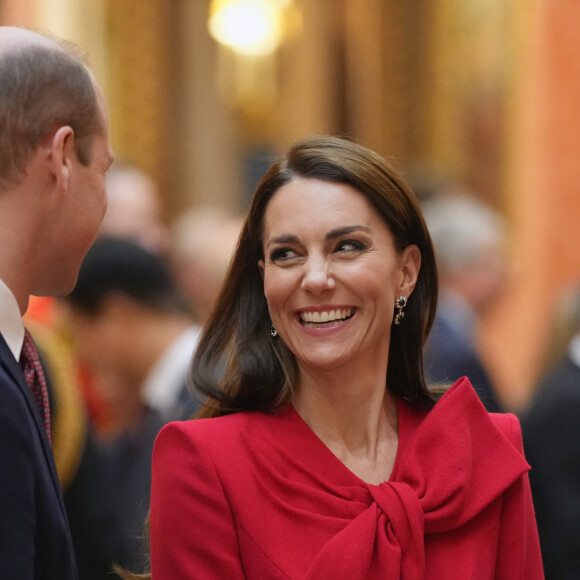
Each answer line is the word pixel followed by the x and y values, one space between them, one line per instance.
pixel 356 418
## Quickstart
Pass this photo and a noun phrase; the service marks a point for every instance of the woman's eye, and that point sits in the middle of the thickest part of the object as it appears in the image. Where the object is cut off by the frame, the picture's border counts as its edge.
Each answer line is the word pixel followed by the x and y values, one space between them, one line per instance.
pixel 350 246
pixel 282 254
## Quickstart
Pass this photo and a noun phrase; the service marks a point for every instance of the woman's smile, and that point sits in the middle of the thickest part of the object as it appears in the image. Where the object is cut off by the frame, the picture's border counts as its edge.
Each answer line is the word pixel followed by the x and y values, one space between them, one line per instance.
pixel 325 318
pixel 331 273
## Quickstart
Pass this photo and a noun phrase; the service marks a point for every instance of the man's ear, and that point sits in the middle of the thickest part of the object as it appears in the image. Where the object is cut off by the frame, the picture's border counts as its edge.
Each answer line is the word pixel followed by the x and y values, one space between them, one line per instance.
pixel 410 266
pixel 62 155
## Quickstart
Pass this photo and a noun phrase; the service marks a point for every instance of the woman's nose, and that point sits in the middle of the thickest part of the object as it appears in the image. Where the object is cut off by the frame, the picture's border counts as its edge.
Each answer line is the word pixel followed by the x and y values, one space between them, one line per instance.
pixel 317 277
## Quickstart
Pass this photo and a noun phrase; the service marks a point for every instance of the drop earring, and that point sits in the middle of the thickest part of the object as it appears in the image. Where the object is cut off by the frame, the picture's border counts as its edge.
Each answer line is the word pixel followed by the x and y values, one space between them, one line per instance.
pixel 400 304
pixel 273 332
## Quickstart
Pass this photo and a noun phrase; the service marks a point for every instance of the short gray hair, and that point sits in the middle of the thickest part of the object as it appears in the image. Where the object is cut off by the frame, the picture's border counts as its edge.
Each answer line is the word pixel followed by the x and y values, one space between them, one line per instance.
pixel 462 229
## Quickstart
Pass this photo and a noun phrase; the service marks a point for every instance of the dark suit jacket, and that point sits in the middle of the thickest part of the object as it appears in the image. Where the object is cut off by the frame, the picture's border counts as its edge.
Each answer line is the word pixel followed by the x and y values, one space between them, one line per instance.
pixel 551 429
pixel 449 356
pixel 108 501
pixel 35 541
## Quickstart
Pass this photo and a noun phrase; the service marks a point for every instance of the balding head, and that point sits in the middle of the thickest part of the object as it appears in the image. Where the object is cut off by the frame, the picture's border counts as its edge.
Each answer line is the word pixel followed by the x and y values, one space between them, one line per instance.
pixel 469 239
pixel 13 38
pixel 44 85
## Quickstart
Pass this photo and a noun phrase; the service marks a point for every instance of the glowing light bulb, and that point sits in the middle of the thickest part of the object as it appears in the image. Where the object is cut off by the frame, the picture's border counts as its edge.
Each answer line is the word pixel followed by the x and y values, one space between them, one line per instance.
pixel 251 27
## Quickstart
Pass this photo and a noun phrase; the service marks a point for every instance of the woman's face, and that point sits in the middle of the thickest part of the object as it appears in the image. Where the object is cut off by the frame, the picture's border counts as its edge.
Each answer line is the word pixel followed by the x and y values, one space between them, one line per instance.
pixel 332 274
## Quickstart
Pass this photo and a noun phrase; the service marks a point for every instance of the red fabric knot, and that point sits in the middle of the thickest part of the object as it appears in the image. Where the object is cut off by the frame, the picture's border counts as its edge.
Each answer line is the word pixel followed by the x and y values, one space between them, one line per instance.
pixel 435 488
pixel 34 374
pixel 386 540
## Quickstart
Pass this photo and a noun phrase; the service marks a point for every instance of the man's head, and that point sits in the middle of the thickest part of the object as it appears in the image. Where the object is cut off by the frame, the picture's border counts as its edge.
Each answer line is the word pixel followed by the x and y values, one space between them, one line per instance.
pixel 43 86
pixel 54 153
pixel 470 244
pixel 204 240
pixel 134 209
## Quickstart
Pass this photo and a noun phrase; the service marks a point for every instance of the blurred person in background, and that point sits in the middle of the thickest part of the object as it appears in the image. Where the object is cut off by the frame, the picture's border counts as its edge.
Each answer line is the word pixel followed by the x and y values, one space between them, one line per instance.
pixel 469 239
pixel 203 241
pixel 130 327
pixel 134 208
pixel 551 429
pixel 54 154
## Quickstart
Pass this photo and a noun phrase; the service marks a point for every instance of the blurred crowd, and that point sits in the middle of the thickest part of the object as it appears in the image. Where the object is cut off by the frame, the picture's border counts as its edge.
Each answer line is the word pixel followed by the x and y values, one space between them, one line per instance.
pixel 117 352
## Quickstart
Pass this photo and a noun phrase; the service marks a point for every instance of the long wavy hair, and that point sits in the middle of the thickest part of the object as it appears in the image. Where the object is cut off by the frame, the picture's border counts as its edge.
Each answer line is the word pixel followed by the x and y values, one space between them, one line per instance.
pixel 237 364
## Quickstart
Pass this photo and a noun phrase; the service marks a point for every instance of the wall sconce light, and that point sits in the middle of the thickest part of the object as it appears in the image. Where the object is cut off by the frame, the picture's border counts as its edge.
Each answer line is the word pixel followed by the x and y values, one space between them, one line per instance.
pixel 249 27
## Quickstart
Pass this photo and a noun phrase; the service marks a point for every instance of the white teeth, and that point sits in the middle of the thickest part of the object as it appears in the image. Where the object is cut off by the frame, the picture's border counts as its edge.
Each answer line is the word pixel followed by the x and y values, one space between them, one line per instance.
pixel 326 316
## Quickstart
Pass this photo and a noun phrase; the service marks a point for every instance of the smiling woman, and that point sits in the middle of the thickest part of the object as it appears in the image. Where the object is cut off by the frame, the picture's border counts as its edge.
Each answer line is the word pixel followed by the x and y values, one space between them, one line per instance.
pixel 322 453
pixel 319 184
pixel 327 250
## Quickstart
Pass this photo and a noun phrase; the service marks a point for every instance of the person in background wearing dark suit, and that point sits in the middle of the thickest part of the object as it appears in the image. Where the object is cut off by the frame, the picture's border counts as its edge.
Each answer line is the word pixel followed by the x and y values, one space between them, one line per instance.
pixel 468 237
pixel 130 326
pixel 551 430
pixel 54 153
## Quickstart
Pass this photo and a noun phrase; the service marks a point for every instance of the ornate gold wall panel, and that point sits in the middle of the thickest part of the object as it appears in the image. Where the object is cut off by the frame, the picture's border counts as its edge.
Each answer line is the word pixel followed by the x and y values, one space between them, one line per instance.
pixel 140 89
pixel 468 64
pixel 206 151
pixel 308 75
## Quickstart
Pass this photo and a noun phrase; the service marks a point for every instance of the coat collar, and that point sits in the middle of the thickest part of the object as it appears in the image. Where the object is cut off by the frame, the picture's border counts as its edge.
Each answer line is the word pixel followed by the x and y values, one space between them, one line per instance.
pixel 455 458
pixel 453 461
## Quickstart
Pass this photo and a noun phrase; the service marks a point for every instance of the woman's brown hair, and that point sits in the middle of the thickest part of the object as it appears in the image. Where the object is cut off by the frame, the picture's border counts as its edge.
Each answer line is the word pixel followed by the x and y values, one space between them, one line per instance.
pixel 260 373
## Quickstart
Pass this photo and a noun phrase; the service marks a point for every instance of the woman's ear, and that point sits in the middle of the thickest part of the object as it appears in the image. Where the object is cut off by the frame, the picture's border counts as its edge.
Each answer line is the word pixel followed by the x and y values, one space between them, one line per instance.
pixel 261 267
pixel 410 266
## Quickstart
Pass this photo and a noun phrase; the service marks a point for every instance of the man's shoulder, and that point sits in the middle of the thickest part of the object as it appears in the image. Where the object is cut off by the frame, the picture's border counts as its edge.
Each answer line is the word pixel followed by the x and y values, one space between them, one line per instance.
pixel 560 382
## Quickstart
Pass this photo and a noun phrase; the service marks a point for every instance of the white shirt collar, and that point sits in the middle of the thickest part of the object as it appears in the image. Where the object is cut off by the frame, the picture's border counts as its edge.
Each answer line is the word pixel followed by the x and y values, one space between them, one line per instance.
pixel 574 350
pixel 165 380
pixel 11 326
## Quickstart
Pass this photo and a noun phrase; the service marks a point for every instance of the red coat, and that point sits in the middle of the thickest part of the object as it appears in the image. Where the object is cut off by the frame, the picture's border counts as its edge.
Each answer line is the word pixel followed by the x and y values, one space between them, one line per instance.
pixel 260 497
